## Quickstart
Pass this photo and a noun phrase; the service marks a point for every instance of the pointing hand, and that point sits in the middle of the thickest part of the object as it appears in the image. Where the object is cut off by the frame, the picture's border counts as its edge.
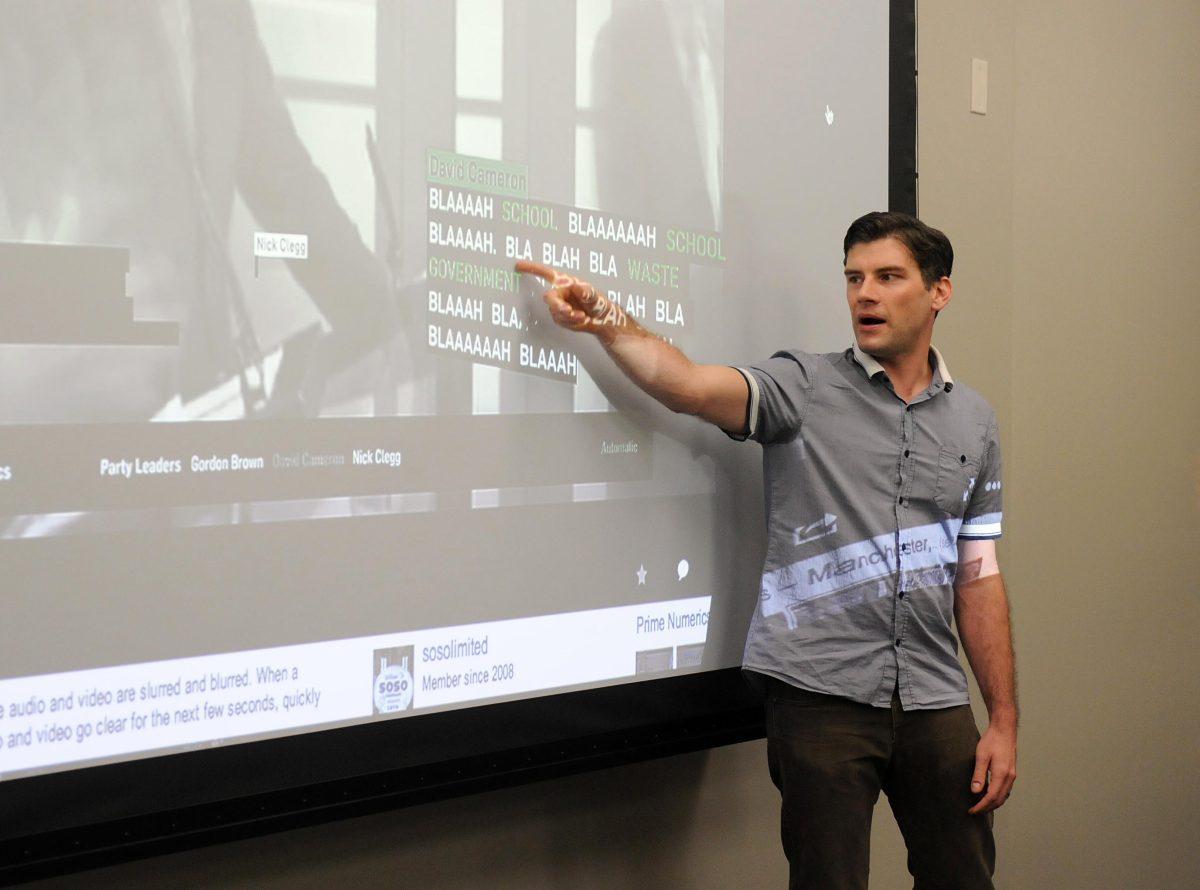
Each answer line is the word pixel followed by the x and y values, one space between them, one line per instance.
pixel 574 304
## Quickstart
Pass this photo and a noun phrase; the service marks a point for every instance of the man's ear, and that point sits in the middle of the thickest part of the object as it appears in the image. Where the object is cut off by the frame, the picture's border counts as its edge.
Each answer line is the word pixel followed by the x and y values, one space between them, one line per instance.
pixel 943 290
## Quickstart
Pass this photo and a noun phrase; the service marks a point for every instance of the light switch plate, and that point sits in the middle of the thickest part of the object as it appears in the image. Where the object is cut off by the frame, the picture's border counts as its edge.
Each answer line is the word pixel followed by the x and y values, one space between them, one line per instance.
pixel 979 86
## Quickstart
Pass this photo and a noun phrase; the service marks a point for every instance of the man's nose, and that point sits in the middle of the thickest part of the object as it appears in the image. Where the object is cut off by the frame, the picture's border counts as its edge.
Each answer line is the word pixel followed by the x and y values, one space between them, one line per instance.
pixel 866 291
pixel 867 295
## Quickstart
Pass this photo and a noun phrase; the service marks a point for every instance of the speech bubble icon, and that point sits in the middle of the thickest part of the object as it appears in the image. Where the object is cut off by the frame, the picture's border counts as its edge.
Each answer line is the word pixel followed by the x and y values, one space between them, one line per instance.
pixel 682 569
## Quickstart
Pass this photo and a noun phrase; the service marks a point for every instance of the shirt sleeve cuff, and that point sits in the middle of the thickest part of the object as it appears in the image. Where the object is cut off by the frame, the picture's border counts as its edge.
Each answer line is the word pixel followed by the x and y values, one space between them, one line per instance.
pixel 752 399
pixel 981 527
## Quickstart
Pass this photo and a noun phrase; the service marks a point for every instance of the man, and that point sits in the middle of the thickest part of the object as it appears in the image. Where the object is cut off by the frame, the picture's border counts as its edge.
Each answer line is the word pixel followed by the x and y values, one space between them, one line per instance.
pixel 882 480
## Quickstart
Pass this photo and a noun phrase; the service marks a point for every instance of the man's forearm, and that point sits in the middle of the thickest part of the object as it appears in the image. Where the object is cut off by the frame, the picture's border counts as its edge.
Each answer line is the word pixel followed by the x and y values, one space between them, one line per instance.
pixel 654 365
pixel 982 613
pixel 713 392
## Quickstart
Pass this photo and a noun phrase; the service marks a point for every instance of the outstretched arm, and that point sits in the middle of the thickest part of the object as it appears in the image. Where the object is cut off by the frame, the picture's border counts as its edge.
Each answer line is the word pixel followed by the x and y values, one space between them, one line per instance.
pixel 982 614
pixel 712 392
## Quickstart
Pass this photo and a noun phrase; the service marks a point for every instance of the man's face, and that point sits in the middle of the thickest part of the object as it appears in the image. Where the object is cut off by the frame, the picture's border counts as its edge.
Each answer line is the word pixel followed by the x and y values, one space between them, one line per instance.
pixel 890 307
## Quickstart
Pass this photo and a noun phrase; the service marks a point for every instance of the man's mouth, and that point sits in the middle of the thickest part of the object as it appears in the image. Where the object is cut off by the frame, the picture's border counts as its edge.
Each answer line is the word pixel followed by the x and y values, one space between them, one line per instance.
pixel 870 321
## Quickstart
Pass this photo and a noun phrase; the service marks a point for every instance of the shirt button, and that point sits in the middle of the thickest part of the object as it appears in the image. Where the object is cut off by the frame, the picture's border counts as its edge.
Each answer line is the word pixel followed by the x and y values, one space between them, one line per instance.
pixel 903 502
pixel 897 642
pixel 906 452
pixel 901 594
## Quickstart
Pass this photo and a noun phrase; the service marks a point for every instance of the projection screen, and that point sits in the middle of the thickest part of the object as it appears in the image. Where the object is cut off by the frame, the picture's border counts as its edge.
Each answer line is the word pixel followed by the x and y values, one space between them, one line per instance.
pixel 289 451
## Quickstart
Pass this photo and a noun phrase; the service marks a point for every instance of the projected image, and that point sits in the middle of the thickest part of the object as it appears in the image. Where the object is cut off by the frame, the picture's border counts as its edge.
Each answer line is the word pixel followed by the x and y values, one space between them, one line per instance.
pixel 216 212
pixel 157 183
pixel 287 442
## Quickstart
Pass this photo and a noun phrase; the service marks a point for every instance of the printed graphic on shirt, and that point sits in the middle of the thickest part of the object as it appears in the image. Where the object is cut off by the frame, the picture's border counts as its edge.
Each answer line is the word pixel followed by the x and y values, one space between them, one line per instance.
pixel 804 534
pixel 967 491
pixel 928 557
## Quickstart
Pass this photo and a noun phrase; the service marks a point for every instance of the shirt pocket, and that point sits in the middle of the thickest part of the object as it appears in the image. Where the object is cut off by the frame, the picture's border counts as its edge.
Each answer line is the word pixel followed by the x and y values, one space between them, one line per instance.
pixel 956 475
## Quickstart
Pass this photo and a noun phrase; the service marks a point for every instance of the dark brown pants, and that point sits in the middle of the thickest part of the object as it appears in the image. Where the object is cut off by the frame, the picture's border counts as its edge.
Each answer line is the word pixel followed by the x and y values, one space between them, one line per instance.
pixel 830 757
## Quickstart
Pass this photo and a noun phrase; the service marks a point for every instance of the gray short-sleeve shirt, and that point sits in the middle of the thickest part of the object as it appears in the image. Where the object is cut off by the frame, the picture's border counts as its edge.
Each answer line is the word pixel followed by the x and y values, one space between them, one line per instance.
pixel 866 499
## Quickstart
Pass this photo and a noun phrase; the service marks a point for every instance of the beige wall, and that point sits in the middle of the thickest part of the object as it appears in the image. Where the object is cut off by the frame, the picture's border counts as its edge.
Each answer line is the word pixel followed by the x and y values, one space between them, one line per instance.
pixel 1074 206
pixel 1105 547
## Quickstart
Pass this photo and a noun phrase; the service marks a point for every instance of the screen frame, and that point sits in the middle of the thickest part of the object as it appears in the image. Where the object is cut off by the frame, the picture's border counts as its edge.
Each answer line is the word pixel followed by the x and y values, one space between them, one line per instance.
pixel 102 815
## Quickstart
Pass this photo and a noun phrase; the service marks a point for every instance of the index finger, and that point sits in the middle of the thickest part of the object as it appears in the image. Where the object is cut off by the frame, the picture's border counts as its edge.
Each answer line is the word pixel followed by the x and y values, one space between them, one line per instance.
pixel 544 272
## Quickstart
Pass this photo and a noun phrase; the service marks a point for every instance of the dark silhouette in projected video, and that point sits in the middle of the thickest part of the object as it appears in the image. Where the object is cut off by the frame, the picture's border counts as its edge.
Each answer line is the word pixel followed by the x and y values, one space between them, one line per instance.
pixel 672 173
pixel 658 156
pixel 132 126
pixel 645 168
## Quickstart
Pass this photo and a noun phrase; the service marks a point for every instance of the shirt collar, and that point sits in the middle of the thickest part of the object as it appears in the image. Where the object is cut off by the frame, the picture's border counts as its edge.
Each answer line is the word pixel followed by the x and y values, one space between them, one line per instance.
pixel 873 367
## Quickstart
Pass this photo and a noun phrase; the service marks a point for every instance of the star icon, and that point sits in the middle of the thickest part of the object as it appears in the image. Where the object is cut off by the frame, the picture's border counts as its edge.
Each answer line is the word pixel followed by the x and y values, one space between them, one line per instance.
pixel 641 573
